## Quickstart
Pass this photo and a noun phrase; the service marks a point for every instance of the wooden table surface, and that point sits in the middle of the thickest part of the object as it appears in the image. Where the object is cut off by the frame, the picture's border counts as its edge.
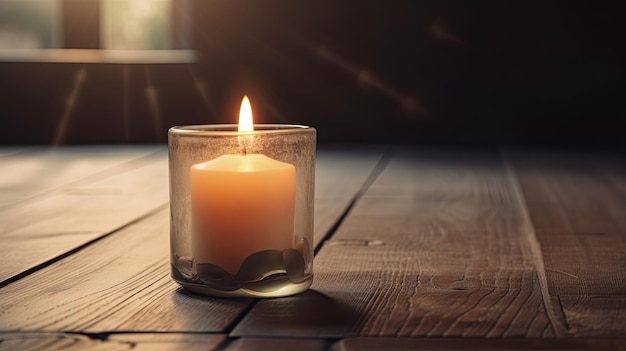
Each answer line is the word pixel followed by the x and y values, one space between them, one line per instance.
pixel 416 248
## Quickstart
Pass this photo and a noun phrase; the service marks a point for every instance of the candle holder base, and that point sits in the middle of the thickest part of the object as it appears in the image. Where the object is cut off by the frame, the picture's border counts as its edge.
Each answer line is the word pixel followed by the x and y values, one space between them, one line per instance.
pixel 284 289
pixel 266 273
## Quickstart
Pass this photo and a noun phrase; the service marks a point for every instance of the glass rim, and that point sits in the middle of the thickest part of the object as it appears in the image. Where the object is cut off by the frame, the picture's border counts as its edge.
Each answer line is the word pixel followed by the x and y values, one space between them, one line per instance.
pixel 231 129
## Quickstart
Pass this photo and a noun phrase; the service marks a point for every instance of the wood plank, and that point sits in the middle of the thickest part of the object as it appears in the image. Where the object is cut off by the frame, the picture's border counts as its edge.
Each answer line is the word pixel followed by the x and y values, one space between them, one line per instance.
pixel 120 283
pixel 12 150
pixel 71 216
pixel 437 246
pixel 594 315
pixel 112 198
pixel 169 341
pixel 340 174
pixel 257 344
pixel 40 169
pixel 402 344
pixel 64 341
pixel 55 341
pixel 577 203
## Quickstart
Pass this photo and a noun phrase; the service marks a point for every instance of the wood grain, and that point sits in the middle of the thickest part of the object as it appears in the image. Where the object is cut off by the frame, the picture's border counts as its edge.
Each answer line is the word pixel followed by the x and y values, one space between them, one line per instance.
pixel 169 341
pixel 402 344
pixel 577 203
pixel 79 212
pixel 138 342
pixel 37 170
pixel 55 341
pixel 120 283
pixel 436 247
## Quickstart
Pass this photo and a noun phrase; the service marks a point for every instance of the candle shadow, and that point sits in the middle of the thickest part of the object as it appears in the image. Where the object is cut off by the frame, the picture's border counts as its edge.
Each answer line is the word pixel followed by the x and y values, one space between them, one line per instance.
pixel 195 312
pixel 309 314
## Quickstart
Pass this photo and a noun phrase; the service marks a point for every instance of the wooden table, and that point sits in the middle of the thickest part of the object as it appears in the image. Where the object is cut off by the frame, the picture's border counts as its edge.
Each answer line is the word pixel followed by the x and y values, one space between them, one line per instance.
pixel 416 247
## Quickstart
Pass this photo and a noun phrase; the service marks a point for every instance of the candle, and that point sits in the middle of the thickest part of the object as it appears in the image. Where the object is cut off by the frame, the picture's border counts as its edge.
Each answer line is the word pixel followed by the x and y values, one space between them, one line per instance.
pixel 241 204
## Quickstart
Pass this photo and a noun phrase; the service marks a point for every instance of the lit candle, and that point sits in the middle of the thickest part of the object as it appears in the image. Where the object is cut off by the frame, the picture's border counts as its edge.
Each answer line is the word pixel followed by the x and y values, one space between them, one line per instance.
pixel 241 204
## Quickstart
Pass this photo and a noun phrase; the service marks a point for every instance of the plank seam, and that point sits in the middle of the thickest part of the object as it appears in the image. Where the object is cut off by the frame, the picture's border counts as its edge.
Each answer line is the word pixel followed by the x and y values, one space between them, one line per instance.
pixel 79 248
pixel 533 241
pixel 230 327
pixel 105 335
pixel 378 169
pixel 562 309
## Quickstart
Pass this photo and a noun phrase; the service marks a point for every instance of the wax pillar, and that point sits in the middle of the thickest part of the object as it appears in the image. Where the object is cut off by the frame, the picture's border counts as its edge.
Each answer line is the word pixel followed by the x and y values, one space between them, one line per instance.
pixel 241 204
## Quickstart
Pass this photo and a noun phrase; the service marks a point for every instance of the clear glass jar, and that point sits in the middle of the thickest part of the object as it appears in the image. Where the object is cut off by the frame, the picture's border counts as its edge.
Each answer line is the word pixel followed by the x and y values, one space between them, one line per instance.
pixel 241 208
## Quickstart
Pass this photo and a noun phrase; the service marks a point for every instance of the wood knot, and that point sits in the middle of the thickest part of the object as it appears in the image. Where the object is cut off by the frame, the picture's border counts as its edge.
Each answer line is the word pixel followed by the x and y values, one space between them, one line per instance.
pixel 460 285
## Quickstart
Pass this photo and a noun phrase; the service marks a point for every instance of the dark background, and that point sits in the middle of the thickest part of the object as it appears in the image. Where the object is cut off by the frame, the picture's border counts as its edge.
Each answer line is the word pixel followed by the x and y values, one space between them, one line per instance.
pixel 450 72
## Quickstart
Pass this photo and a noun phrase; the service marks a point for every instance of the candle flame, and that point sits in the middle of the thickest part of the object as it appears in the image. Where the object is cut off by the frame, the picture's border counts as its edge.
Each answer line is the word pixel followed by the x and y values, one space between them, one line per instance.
pixel 245 125
pixel 245 116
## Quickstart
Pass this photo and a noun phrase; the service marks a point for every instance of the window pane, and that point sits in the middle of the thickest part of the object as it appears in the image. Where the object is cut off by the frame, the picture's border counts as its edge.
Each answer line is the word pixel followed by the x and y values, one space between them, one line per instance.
pixel 136 24
pixel 29 24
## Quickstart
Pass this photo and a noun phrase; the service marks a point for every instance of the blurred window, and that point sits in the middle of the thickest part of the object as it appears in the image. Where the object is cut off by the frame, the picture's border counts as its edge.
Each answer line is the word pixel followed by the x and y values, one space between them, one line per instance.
pixel 136 24
pixel 30 24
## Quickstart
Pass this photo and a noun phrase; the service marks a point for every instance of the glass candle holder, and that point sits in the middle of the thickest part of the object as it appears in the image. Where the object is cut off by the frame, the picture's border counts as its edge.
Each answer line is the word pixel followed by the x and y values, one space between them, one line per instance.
pixel 241 207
